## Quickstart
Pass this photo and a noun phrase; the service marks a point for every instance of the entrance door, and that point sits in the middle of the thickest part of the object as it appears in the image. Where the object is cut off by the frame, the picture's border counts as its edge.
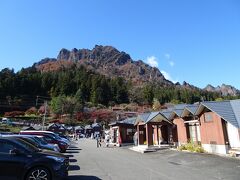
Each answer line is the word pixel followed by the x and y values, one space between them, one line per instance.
pixel 164 132
pixel 194 131
pixel 115 135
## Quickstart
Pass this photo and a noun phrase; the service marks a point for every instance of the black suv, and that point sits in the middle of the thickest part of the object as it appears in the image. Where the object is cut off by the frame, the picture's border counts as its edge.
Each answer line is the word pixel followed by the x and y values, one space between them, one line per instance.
pixel 20 160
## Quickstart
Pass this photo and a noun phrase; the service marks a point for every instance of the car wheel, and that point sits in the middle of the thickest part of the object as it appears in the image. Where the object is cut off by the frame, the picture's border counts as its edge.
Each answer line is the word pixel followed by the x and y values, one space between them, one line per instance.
pixel 38 173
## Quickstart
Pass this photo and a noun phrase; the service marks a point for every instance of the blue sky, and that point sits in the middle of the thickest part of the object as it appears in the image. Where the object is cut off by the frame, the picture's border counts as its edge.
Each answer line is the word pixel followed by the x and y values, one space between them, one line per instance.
pixel 197 41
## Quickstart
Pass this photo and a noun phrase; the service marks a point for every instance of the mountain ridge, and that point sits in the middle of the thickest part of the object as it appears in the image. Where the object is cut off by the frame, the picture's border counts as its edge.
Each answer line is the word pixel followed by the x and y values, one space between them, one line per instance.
pixel 109 61
pixel 224 89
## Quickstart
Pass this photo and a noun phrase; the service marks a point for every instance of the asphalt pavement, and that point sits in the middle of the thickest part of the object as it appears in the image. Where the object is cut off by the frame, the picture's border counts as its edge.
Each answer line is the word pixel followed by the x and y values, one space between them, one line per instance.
pixel 87 162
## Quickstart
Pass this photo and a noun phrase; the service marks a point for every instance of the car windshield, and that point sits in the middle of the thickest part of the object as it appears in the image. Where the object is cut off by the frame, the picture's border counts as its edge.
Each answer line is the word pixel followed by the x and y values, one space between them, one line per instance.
pixel 35 139
pixel 27 146
pixel 54 136
pixel 30 141
pixel 41 140
pixel 58 137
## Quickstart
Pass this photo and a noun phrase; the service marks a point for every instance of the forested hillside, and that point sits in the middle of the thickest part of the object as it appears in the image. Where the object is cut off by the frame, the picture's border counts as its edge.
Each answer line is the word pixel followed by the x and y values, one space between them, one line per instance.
pixel 21 88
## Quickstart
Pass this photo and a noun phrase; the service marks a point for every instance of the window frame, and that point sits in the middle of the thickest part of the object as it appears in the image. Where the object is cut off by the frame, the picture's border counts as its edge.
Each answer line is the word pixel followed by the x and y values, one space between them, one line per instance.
pixel 208 117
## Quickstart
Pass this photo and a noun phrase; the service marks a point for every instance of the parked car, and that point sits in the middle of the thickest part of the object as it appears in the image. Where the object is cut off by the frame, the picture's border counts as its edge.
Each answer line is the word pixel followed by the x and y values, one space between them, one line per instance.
pixel 51 139
pixel 64 136
pixel 5 133
pixel 6 121
pixel 56 136
pixel 36 141
pixel 44 143
pixel 21 161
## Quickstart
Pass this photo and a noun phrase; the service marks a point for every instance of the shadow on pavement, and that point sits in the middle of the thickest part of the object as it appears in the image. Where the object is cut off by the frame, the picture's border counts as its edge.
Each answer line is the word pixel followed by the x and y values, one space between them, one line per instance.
pixel 82 177
pixel 74 149
pixel 72 160
pixel 69 155
pixel 74 168
pixel 69 151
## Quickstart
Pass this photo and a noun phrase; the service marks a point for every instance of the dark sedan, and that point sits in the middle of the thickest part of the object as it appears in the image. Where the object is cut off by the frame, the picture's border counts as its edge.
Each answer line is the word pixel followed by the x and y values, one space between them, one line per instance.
pixel 20 160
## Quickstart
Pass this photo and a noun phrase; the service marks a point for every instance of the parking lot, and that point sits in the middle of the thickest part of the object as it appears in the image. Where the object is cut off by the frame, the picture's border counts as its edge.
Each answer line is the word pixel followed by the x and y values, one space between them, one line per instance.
pixel 89 162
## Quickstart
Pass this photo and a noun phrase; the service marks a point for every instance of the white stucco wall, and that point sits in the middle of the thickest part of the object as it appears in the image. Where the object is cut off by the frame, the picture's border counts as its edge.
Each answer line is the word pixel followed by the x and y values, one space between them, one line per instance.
pixel 214 148
pixel 233 136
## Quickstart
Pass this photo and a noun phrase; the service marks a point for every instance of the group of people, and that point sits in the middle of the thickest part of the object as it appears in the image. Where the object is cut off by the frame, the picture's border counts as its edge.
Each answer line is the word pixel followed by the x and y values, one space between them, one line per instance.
pixel 74 136
pixel 100 140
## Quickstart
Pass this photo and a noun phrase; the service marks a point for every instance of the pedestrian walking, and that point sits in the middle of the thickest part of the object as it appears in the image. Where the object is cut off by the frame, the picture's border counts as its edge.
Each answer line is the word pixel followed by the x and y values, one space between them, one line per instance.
pixel 98 138
pixel 100 142
pixel 135 138
pixel 107 138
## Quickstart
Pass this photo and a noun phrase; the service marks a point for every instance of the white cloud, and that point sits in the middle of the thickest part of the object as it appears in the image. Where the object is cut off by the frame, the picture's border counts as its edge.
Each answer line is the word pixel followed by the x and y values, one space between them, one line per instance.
pixel 152 61
pixel 171 63
pixel 168 77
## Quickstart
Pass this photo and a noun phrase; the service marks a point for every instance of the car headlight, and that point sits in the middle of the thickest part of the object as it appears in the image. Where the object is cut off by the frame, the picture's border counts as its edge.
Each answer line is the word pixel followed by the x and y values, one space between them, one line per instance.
pixel 55 158
pixel 63 143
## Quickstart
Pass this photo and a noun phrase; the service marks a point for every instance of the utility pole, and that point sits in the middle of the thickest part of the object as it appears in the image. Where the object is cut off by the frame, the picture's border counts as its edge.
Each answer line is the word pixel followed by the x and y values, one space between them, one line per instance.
pixel 45 112
pixel 36 101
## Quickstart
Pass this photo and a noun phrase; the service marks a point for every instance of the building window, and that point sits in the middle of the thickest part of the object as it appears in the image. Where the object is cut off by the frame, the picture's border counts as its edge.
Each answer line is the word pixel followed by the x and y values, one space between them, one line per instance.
pixel 208 117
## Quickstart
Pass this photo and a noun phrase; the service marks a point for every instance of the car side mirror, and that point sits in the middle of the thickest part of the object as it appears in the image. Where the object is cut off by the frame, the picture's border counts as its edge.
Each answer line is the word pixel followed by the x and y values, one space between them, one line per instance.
pixel 14 152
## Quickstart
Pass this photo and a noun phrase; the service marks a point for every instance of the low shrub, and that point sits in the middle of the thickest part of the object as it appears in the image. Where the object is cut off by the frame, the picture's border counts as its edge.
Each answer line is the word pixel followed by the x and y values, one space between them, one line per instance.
pixel 192 147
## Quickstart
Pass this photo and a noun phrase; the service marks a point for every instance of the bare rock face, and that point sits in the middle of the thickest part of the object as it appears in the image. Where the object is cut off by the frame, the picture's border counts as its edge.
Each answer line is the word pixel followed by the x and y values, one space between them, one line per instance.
pixel 210 88
pixel 225 90
pixel 63 54
pixel 108 61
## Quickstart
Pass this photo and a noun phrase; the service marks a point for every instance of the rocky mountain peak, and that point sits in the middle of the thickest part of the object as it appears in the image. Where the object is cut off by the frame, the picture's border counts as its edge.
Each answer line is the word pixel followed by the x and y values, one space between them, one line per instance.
pixel 224 90
pixel 108 61
pixel 187 85
pixel 63 54
pixel 209 88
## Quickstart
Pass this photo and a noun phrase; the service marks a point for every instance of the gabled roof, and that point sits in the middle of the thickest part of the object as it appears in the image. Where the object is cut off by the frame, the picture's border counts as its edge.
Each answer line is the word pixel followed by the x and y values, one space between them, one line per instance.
pixel 37 127
pixel 228 110
pixel 129 120
pixel 176 112
pixel 166 112
pixel 151 117
pixel 56 125
pixel 236 109
pixel 180 106
pixel 189 110
pixel 159 117
pixel 142 118
pixel 96 125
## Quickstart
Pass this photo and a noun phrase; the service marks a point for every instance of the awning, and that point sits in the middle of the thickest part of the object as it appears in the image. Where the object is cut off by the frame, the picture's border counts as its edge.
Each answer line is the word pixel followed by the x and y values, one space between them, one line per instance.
pixel 191 121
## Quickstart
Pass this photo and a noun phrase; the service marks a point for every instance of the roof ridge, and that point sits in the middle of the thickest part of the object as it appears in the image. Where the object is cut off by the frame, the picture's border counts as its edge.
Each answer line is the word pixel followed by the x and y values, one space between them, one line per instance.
pixel 215 101
pixel 149 115
pixel 234 112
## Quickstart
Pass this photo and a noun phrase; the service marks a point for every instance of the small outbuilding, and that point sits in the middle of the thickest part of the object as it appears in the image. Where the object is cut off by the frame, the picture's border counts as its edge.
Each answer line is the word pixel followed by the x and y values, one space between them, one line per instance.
pixel 122 132
pixel 154 130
